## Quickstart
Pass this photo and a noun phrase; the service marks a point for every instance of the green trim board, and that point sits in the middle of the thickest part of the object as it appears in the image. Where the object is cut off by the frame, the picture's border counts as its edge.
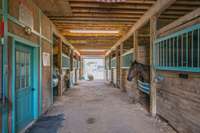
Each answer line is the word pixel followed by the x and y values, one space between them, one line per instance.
pixel 30 43
pixel 179 51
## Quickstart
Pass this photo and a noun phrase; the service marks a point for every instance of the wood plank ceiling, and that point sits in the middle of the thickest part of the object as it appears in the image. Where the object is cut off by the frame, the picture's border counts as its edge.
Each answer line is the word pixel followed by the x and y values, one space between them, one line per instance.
pixel 93 15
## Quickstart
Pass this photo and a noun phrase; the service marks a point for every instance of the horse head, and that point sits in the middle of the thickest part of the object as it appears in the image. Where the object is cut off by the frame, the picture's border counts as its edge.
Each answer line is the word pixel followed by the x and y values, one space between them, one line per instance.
pixel 133 71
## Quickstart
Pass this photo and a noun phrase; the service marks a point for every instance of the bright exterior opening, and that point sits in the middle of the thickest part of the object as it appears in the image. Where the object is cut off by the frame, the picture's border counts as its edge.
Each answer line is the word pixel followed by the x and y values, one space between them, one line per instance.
pixel 93 68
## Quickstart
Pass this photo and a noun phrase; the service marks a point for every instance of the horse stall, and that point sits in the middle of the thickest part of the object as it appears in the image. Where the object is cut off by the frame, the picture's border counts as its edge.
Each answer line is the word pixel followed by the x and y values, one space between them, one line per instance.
pixel 143 59
pixel 177 61
pixel 113 69
pixel 61 52
pixel 108 68
pixel 75 70
pixel 127 57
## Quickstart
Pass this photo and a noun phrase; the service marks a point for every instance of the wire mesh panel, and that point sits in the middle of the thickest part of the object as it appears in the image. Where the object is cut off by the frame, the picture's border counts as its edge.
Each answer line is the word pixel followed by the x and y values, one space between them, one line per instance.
pixel 179 51
pixel 65 61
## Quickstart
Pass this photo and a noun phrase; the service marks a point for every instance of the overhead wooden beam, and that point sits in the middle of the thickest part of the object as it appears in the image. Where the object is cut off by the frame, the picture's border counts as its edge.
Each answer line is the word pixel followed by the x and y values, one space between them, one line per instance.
pixel 92 52
pixel 86 35
pixel 157 8
pixel 103 47
pixel 92 38
pixel 94 19
pixel 128 1
pixel 192 15
pixel 140 6
pixel 93 22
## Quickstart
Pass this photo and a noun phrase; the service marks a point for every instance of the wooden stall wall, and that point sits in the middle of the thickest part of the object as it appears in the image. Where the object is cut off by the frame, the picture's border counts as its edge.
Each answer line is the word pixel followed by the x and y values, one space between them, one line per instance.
pixel 178 99
pixel 130 86
pixel 47 49
pixel 114 76
pixel 47 92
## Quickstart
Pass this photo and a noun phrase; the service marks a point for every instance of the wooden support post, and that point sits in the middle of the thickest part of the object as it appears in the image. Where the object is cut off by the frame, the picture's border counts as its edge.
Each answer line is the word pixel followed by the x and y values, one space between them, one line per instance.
pixel 60 67
pixel 81 68
pixel 117 66
pixel 110 70
pixel 135 45
pixel 153 30
pixel 121 69
pixel 71 60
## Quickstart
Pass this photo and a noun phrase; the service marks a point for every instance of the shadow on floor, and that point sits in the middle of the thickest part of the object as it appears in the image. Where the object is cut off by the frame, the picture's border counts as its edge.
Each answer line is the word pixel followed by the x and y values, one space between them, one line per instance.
pixel 47 124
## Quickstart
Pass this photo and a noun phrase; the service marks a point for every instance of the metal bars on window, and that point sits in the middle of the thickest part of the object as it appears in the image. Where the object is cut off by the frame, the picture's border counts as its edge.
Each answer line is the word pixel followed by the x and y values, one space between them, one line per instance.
pixel 179 51
pixel 65 61
pixel 127 59
pixel 113 62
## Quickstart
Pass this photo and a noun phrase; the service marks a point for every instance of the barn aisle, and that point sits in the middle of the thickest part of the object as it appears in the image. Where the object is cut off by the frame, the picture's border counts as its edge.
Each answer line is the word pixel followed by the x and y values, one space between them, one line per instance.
pixel 97 107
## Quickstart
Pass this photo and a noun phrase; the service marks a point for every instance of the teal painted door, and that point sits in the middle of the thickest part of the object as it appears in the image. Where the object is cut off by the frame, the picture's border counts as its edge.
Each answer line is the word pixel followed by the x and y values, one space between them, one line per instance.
pixel 23 86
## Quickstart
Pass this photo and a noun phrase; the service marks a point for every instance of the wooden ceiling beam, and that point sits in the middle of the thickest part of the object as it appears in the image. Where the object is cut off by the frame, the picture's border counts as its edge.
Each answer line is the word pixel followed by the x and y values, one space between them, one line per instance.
pixel 92 37
pixel 98 15
pixel 99 46
pixel 157 8
pixel 128 1
pixel 92 42
pixel 190 16
pixel 96 19
pixel 93 22
pixel 110 6
pixel 141 6
pixel 125 11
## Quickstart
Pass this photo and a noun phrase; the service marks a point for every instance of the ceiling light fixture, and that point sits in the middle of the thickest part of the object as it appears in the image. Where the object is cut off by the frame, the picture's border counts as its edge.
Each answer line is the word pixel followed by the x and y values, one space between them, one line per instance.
pixel 95 31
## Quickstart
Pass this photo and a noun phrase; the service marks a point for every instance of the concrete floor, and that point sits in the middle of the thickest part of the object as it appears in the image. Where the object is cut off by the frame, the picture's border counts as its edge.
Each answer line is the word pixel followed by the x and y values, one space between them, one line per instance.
pixel 97 107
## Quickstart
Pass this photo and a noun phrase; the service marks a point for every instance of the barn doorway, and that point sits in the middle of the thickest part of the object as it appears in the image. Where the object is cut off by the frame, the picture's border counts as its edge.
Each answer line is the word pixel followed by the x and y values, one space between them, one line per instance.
pixel 93 68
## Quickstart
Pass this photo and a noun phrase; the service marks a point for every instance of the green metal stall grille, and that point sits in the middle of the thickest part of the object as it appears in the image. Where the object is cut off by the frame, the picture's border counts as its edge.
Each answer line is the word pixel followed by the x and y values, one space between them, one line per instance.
pixel 113 62
pixel 179 51
pixel 65 61
pixel 75 63
pixel 127 59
